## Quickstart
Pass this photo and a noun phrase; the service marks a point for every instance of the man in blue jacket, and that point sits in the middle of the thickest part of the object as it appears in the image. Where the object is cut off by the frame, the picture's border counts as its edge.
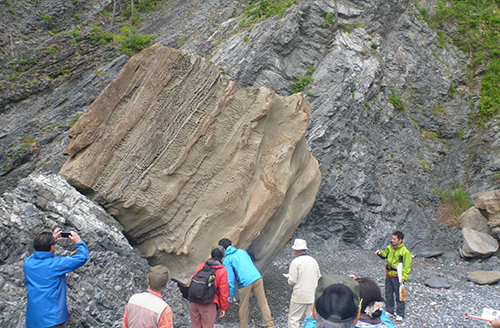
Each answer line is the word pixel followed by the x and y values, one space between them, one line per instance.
pixel 46 279
pixel 241 269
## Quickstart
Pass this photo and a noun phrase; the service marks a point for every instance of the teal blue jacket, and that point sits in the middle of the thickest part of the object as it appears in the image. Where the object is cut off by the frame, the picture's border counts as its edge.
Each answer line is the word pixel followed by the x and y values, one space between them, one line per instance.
pixel 240 269
pixel 45 276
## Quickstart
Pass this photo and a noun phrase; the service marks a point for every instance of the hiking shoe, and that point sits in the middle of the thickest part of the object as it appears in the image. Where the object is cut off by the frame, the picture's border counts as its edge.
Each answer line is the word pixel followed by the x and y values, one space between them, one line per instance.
pixel 399 318
pixel 389 314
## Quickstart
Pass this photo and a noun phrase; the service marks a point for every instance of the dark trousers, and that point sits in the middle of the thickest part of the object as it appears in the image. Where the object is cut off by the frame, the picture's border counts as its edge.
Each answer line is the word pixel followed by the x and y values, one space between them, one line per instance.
pixel 391 288
pixel 62 325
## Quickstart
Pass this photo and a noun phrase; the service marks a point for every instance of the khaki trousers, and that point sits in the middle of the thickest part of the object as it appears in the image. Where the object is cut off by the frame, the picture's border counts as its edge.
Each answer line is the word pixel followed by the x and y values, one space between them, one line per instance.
pixel 257 289
pixel 297 310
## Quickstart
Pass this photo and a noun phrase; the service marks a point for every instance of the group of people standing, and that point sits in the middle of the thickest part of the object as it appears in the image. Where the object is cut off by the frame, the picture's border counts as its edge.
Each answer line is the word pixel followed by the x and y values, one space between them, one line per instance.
pixel 328 301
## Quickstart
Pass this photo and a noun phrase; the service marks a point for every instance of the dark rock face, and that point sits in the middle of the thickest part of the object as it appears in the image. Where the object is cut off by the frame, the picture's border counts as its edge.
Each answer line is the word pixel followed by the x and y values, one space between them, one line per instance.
pixel 99 290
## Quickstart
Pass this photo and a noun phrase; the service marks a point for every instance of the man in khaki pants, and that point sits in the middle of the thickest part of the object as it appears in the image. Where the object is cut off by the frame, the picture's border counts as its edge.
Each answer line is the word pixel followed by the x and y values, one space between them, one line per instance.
pixel 303 276
pixel 242 271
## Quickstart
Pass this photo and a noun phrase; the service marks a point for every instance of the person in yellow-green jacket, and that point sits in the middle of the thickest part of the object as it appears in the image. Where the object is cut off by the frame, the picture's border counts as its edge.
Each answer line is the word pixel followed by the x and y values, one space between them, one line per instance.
pixel 395 254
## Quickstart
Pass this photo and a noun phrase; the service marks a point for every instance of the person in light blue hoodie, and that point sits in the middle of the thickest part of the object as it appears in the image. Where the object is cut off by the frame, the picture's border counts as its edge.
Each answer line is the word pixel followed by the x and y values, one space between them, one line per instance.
pixel 45 276
pixel 242 272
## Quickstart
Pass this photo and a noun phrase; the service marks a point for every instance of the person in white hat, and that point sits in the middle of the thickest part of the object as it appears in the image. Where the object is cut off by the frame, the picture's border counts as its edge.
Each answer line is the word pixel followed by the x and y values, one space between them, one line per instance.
pixel 303 276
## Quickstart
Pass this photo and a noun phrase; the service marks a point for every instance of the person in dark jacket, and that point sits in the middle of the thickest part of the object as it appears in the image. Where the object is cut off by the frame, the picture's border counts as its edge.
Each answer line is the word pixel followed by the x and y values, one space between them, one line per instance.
pixel 203 316
pixel 45 276
pixel 242 271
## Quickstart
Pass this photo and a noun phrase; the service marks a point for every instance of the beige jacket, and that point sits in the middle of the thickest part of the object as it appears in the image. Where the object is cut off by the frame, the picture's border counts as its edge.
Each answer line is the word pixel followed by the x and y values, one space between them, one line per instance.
pixel 304 275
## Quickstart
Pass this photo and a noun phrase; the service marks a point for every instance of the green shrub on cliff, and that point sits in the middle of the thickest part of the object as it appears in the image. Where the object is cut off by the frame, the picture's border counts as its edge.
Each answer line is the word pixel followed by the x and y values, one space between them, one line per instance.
pixel 132 42
pixel 478 23
pixel 258 11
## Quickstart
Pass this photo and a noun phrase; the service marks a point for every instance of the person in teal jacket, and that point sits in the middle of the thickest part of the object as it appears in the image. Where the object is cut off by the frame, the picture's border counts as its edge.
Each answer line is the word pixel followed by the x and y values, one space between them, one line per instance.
pixel 242 272
pixel 45 276
pixel 395 254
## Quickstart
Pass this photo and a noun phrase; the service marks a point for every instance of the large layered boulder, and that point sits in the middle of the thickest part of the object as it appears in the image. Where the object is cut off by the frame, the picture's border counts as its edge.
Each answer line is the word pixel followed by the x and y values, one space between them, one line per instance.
pixel 182 157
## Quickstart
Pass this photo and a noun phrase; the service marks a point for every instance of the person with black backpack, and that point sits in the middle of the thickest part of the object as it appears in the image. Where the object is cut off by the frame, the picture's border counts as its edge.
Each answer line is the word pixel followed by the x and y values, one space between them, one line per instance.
pixel 208 291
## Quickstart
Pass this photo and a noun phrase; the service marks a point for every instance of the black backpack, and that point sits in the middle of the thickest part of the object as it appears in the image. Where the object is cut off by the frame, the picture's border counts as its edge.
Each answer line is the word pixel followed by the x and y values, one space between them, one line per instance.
pixel 202 288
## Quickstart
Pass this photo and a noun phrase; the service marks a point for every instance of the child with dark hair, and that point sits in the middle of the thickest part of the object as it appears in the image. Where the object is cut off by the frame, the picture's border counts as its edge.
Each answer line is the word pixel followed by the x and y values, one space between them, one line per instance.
pixel 372 305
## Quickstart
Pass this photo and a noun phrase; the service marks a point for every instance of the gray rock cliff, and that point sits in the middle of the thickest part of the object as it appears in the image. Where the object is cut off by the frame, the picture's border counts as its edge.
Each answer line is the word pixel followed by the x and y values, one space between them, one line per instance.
pixel 100 289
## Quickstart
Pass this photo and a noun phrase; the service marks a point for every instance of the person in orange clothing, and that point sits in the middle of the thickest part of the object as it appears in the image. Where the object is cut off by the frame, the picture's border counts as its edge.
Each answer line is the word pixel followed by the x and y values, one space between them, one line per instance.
pixel 148 309
pixel 203 316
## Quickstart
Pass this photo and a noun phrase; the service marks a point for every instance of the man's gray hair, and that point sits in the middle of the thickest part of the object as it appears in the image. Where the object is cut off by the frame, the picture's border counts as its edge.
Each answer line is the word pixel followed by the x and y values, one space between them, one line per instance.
pixel 323 323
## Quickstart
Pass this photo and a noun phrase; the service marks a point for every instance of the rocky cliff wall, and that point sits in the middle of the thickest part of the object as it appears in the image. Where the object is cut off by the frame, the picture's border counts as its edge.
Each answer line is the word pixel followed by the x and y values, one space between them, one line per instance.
pixel 380 165
pixel 99 290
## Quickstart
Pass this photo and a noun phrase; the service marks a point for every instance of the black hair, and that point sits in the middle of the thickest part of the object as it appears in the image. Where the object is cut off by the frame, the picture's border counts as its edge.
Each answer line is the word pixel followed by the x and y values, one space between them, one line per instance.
pixel 224 242
pixel 217 254
pixel 370 292
pixel 44 241
pixel 398 234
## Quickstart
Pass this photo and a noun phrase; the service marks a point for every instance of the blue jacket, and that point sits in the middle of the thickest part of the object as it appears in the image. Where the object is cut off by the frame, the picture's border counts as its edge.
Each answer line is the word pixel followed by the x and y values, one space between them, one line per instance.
pixel 46 285
pixel 240 268
pixel 311 323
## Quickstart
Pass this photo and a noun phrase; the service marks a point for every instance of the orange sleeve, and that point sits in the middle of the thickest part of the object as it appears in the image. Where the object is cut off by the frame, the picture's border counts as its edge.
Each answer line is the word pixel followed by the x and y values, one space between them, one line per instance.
pixel 166 318
pixel 125 318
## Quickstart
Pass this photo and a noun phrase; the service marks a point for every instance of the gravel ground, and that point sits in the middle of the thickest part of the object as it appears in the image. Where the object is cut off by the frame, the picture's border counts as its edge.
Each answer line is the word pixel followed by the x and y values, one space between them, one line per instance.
pixel 425 307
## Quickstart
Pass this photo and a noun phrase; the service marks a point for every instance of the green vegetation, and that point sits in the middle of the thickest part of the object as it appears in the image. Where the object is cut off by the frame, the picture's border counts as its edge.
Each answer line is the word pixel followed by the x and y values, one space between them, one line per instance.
pixel 27 139
pixel 52 51
pixel 330 18
pixel 396 101
pixel 258 11
pixel 457 200
pixel 374 46
pixel 132 42
pixel 478 23
pixel 46 16
pixel 75 118
pixel 142 6
pixel 246 39
pixel 5 167
pixel 302 81
pixel 350 27
pixel 77 16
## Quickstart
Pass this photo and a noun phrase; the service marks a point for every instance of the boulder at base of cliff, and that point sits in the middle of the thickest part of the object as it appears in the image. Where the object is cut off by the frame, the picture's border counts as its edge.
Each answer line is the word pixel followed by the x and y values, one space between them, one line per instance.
pixel 99 290
pixel 484 277
pixel 477 244
pixel 183 157
pixel 488 203
pixel 473 219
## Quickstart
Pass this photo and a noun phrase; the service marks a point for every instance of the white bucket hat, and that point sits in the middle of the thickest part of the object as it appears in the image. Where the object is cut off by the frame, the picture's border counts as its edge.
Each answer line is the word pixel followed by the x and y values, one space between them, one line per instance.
pixel 299 244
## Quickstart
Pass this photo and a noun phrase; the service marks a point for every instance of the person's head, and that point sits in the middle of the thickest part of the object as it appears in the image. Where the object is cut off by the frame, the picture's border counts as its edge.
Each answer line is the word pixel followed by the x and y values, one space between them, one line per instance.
pixel 158 278
pixel 397 238
pixel 299 246
pixel 224 242
pixel 336 301
pixel 44 242
pixel 370 293
pixel 217 252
